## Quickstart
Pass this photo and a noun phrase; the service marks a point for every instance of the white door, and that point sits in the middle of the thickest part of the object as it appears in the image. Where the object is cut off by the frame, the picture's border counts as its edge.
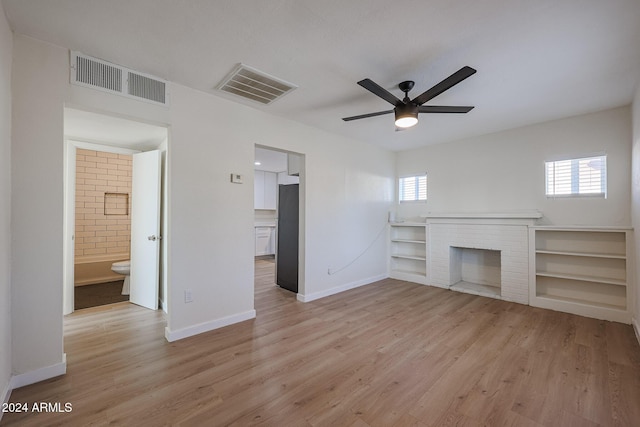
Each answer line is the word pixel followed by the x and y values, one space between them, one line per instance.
pixel 145 229
pixel 69 227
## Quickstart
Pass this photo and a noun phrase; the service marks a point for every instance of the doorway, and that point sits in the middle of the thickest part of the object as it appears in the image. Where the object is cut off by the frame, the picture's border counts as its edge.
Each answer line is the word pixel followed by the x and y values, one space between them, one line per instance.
pixel 102 233
pixel 119 139
pixel 275 169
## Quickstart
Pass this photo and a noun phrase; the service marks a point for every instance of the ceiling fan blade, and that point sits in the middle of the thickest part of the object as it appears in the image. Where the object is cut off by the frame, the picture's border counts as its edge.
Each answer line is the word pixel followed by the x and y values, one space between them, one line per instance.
pixel 447 83
pixel 364 116
pixel 443 109
pixel 378 90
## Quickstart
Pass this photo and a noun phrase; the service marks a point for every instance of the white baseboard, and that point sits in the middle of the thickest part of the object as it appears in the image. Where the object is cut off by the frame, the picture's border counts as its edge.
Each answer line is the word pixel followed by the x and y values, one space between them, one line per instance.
pixel 636 328
pixel 336 290
pixel 5 395
pixel 41 374
pixel 207 326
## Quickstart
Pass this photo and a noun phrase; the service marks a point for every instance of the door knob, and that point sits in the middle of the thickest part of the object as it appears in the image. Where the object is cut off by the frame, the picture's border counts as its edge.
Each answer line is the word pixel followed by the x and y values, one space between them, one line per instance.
pixel 153 237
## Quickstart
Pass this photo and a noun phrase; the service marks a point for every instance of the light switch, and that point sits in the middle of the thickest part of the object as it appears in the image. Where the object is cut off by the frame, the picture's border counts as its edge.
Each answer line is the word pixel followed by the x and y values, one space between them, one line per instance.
pixel 236 178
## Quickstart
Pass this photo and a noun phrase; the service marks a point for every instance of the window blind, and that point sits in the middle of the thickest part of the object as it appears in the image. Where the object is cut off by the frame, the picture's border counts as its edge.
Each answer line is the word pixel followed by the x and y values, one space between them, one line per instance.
pixel 413 188
pixel 572 177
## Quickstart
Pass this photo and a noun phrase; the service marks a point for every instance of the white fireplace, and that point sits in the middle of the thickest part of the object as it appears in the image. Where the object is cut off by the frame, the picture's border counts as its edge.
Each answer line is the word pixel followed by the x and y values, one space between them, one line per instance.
pixel 482 254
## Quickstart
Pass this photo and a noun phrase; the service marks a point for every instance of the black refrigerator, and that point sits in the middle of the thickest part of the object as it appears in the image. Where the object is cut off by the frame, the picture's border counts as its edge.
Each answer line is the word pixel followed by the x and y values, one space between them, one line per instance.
pixel 287 240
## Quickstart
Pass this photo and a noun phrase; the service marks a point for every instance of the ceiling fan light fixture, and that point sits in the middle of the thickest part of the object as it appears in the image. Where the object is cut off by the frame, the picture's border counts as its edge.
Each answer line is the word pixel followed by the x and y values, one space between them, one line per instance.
pixel 406 116
pixel 407 109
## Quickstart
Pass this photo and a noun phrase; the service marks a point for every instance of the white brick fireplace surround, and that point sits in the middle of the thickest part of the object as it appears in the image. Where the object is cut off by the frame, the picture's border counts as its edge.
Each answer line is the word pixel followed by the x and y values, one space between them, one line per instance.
pixel 506 234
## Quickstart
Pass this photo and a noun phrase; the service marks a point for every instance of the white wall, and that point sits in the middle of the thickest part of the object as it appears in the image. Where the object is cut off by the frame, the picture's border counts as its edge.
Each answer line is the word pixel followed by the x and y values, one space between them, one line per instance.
pixel 635 203
pixel 6 41
pixel 505 171
pixel 347 198
pixel 210 230
pixel 211 219
pixel 37 151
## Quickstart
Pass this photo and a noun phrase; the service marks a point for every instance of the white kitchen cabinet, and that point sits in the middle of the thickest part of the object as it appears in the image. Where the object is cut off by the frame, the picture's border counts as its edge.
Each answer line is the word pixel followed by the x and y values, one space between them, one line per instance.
pixel 265 241
pixel 272 241
pixel 265 190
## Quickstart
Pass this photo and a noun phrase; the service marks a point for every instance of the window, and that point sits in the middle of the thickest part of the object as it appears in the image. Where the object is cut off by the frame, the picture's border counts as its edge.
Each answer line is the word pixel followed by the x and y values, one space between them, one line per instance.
pixel 413 188
pixel 577 177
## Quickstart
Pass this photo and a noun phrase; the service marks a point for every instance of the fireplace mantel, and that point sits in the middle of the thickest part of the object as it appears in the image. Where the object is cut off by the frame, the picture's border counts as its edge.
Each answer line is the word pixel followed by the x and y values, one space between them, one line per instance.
pixel 528 218
pixel 485 215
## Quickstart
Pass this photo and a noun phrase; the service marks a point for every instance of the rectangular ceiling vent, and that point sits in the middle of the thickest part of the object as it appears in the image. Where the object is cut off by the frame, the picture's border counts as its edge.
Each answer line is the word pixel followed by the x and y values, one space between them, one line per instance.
pixel 98 74
pixel 255 85
pixel 147 88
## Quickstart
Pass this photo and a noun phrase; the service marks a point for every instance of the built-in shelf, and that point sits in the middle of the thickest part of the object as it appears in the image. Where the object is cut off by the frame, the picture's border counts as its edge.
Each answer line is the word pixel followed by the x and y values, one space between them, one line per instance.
pixel 408 256
pixel 581 270
pixel 582 254
pixel 407 224
pixel 579 302
pixel 408 251
pixel 583 278
pixel 406 272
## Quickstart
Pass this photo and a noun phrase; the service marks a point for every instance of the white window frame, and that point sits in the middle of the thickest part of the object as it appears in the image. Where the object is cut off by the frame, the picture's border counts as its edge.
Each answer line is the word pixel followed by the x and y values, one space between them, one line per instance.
pixel 416 191
pixel 574 190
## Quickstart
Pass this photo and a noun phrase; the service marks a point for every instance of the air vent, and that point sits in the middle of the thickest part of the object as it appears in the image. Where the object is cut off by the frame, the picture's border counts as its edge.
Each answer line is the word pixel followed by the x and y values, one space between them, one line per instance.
pixel 97 74
pixel 255 85
pixel 146 87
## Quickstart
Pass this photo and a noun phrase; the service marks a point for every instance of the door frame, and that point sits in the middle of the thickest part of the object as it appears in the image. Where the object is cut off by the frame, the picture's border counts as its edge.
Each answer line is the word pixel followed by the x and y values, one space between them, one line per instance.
pixel 71 146
pixel 301 216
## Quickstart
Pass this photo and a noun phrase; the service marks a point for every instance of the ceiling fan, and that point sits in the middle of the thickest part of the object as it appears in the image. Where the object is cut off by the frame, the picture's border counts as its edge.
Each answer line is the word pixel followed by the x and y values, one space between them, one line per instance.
pixel 406 110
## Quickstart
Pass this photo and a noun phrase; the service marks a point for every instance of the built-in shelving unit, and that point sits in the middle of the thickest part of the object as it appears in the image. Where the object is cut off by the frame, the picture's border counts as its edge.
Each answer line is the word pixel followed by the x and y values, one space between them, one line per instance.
pixel 583 271
pixel 409 252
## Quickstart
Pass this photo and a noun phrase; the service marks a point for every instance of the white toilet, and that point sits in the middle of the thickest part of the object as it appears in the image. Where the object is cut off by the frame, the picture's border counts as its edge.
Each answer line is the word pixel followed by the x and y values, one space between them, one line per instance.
pixel 124 268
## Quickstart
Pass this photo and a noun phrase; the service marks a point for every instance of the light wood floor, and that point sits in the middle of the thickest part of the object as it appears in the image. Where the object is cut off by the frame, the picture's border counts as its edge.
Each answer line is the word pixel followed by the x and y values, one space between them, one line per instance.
pixel 388 354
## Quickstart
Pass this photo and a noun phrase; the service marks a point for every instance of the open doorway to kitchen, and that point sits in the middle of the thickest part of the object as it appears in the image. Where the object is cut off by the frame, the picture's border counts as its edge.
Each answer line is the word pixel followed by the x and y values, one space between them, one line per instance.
pixel 278 225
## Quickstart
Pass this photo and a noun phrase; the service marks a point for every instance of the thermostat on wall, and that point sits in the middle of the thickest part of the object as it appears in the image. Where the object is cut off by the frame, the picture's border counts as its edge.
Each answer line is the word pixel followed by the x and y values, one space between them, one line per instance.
pixel 236 178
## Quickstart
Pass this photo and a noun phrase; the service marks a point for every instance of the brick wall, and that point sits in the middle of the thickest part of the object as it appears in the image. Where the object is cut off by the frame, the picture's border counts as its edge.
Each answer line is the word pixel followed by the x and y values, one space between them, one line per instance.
pixel 98 234
pixel 511 240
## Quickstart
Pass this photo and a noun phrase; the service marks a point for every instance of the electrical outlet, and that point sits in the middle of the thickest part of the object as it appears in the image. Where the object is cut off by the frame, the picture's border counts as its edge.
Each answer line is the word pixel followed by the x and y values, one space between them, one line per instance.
pixel 188 296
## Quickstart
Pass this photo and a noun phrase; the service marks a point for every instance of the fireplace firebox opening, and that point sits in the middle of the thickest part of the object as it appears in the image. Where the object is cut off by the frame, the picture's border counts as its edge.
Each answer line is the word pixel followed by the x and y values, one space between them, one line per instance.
pixel 475 271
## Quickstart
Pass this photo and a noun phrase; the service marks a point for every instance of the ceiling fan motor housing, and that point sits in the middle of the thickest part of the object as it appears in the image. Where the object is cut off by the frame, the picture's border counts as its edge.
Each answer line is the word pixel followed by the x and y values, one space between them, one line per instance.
pixel 406 114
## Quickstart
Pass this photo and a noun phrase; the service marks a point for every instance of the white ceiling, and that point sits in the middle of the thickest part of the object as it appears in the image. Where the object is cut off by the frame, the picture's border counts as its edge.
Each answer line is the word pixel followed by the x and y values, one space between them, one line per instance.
pixel 536 60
